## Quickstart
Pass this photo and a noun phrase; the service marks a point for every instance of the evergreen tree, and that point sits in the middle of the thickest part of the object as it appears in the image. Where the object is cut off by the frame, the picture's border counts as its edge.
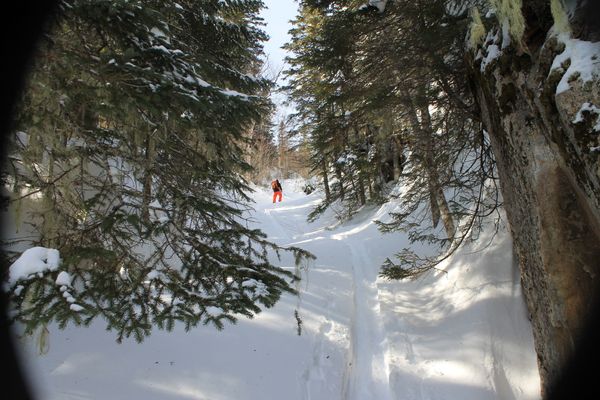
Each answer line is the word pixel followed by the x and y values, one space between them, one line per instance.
pixel 382 93
pixel 319 84
pixel 132 134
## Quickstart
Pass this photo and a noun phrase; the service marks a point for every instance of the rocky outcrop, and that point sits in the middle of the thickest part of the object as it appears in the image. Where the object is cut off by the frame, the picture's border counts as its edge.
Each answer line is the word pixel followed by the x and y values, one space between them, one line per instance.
pixel 545 139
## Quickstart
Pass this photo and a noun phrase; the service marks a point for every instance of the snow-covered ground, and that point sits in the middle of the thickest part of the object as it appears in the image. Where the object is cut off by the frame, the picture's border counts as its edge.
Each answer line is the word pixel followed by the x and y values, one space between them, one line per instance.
pixel 458 335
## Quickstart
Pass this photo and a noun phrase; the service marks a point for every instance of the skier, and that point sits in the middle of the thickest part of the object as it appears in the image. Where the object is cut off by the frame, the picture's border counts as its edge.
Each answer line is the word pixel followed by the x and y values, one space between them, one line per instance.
pixel 277 190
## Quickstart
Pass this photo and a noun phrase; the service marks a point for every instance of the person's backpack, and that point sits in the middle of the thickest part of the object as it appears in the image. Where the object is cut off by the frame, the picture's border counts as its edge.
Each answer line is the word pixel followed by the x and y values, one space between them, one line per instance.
pixel 274 185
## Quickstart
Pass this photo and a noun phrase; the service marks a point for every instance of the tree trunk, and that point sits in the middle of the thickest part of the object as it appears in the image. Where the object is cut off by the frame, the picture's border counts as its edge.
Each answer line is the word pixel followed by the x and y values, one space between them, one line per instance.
pixel 282 161
pixel 147 183
pixel 325 180
pixel 338 173
pixel 359 187
pixel 434 179
pixel 396 152
pixel 550 184
pixel 439 205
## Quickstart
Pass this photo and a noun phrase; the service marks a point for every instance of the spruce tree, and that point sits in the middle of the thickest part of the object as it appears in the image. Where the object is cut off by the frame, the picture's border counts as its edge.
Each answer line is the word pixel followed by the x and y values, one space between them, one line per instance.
pixel 130 149
pixel 382 93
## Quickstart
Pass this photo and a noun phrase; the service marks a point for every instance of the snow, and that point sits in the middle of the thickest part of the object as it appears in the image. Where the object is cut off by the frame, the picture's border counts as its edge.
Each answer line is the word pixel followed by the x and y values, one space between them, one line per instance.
pixel 158 33
pixel 32 261
pixel 461 334
pixel 346 159
pixel 380 4
pixel 505 35
pixel 492 50
pixel 584 59
pixel 592 109
pixel 64 279
pixel 233 93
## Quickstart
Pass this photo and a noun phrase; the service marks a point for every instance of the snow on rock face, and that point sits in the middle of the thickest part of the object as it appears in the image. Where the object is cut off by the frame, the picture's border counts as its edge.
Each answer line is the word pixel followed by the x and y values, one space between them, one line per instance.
pixel 379 4
pixel 33 261
pixel 592 109
pixel 543 172
pixel 581 60
pixel 491 49
pixel 493 52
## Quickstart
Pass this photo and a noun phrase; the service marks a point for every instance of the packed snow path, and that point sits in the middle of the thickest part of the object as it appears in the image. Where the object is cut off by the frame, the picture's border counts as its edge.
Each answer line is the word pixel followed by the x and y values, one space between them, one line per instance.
pixel 366 372
pixel 460 335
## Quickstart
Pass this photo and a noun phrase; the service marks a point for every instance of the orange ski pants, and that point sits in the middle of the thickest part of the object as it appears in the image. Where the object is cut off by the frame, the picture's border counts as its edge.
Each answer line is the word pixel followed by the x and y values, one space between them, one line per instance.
pixel 275 195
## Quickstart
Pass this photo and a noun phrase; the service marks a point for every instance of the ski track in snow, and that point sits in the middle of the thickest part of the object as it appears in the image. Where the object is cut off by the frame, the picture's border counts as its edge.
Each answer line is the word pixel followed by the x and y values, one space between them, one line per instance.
pixel 318 379
pixel 369 372
pixel 379 345
pixel 366 376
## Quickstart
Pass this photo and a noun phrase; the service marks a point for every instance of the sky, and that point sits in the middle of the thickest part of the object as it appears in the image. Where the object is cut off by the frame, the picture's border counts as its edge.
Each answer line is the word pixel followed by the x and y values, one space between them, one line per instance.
pixel 462 334
pixel 277 16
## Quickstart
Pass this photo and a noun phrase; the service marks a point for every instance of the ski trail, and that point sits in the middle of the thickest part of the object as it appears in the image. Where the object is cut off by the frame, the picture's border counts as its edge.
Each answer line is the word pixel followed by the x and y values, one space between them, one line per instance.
pixel 365 370
pixel 368 377
pixel 281 232
pixel 314 376
pixel 325 322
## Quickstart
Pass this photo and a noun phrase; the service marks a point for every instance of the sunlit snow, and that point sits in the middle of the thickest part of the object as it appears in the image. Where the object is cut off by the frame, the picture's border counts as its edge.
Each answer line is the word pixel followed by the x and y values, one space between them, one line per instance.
pixel 460 334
